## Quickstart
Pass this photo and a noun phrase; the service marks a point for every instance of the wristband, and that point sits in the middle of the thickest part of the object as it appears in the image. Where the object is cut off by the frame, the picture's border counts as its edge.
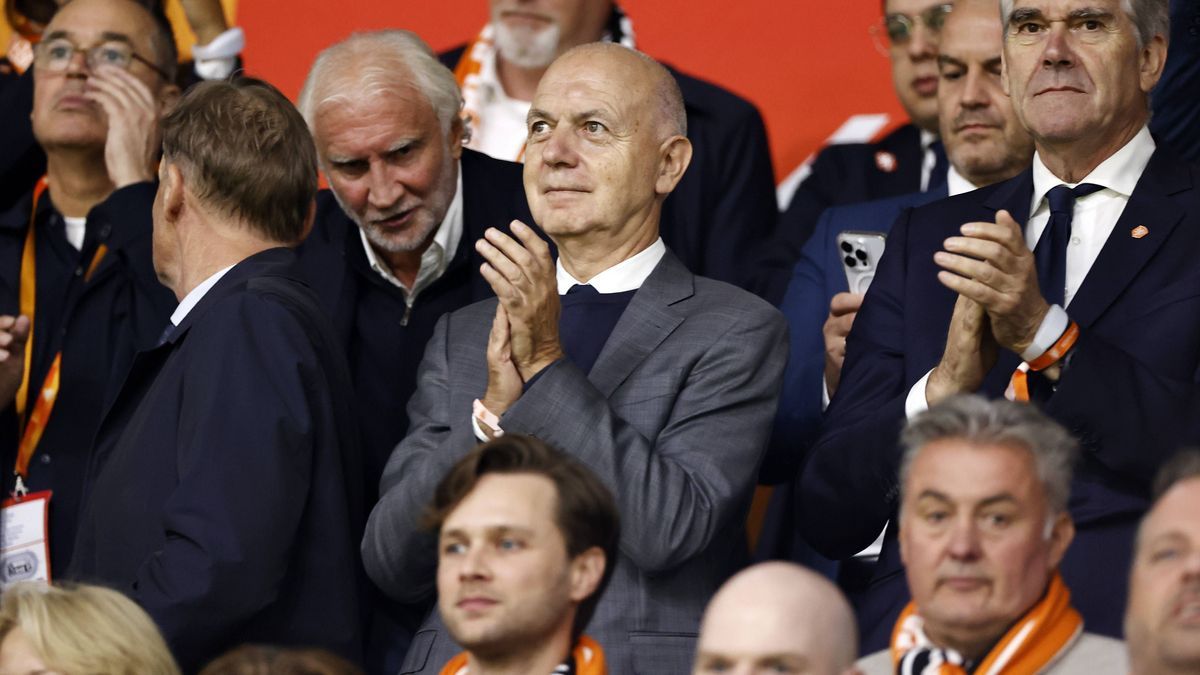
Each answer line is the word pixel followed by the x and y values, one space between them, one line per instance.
pixel 1060 348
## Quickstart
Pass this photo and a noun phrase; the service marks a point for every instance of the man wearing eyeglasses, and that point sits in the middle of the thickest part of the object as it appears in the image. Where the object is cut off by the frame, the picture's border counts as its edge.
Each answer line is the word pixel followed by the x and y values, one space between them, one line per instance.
pixel 78 293
pixel 910 159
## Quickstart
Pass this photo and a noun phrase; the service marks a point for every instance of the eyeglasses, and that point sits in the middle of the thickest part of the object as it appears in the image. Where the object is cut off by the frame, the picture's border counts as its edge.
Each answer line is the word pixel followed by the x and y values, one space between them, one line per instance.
pixel 900 27
pixel 55 56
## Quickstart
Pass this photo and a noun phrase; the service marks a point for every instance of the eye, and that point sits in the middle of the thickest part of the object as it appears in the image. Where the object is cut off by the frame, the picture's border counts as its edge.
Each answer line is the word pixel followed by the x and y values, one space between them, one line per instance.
pixel 1165 553
pixel 951 74
pixel 350 169
pixel 997 521
pixel 1092 25
pixel 1029 28
pixel 111 55
pixel 509 544
pixel 936 517
pixel 453 548
pixel 593 127
pixel 59 50
pixel 538 127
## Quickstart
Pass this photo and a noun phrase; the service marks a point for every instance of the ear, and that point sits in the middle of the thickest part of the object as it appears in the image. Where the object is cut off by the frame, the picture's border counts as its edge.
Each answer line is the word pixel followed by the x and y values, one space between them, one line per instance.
pixel 587 569
pixel 171 187
pixel 1061 535
pixel 676 155
pixel 457 128
pixel 1153 57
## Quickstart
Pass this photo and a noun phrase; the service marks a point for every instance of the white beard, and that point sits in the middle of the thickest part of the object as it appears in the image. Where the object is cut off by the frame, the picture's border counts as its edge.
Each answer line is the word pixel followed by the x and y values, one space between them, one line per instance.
pixel 526 48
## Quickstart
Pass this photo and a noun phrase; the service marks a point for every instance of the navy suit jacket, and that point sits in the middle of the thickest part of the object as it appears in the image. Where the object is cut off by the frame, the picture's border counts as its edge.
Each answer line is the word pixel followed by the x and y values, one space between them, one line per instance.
pixel 225 494
pixel 843 173
pixel 817 277
pixel 1131 394
pixel 724 206
pixel 1176 117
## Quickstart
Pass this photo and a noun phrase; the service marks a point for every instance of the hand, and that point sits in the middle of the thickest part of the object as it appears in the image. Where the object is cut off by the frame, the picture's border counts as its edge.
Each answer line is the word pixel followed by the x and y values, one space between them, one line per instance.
pixel 14 331
pixel 206 18
pixel 992 265
pixel 843 307
pixel 134 137
pixel 970 353
pixel 522 276
pixel 504 382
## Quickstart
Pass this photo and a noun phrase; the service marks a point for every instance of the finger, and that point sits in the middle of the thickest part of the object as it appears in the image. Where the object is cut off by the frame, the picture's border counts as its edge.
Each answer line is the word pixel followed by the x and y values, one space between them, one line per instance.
pixel 983 249
pixel 971 268
pixel 7 321
pixel 1005 232
pixel 533 243
pixel 511 247
pixel 131 87
pixel 4 354
pixel 981 293
pixel 843 303
pixel 21 327
pixel 120 98
pixel 843 323
pixel 501 286
pixel 500 261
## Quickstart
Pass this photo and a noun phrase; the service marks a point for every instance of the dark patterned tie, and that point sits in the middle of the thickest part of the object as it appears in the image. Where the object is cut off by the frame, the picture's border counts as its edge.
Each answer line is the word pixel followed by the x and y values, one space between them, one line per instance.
pixel 1050 253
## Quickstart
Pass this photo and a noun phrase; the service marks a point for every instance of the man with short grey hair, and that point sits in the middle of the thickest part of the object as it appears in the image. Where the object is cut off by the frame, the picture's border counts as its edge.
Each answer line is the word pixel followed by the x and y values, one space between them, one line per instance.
pixel 983 526
pixel 1063 286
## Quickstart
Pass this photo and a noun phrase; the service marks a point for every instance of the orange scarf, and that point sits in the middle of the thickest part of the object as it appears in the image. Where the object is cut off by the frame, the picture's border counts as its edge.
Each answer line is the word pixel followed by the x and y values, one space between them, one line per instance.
pixel 1035 641
pixel 589 660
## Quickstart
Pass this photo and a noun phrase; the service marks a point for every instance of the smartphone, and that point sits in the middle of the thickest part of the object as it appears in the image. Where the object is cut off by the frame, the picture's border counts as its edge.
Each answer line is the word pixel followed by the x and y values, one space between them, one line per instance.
pixel 860 253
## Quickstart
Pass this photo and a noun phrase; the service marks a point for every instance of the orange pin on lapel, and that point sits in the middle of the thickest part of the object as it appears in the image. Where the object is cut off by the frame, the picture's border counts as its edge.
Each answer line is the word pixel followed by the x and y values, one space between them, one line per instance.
pixel 1139 232
pixel 885 161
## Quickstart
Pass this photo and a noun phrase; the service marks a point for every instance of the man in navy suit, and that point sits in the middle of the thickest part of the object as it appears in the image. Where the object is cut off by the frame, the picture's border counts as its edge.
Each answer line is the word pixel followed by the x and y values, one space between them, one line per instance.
pixel 225 494
pixel 1105 316
pixel 907 160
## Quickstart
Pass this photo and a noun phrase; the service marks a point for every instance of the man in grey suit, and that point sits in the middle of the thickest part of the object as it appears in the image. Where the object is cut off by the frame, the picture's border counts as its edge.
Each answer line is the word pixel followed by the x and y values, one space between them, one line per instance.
pixel 663 383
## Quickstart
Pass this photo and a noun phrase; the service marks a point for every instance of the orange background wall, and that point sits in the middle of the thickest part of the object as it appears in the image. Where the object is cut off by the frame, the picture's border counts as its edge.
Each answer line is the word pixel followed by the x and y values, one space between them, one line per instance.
pixel 807 65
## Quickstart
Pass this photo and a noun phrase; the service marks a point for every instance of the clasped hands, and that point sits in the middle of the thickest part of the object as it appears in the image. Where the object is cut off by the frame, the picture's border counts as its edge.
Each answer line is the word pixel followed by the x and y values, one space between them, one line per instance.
pixel 999 303
pixel 524 336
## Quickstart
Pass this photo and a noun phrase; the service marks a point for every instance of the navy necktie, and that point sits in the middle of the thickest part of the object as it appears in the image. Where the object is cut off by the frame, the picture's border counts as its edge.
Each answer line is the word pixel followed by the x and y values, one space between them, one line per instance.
pixel 1050 253
pixel 937 177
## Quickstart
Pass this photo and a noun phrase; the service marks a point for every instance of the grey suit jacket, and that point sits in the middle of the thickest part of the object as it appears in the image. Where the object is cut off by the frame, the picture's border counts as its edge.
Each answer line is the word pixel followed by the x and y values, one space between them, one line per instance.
pixel 674 418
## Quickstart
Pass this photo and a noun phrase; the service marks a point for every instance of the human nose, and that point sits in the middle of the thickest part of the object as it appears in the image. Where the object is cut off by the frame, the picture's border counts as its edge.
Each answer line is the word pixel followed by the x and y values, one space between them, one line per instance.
pixel 474 564
pixel 383 189
pixel 964 540
pixel 1057 52
pixel 974 93
pixel 78 63
pixel 923 42
pixel 559 147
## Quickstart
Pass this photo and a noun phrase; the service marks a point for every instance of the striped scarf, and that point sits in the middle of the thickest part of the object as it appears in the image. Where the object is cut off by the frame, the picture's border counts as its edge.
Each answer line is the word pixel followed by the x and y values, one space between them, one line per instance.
pixel 586 659
pixel 1032 644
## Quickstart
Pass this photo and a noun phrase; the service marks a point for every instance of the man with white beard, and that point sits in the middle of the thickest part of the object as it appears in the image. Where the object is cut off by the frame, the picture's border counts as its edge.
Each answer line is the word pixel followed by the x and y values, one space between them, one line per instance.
pixel 725 204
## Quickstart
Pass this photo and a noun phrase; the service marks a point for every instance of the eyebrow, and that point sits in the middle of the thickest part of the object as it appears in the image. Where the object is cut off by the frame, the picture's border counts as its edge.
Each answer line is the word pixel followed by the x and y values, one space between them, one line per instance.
pixel 944 60
pixel 539 114
pixel 987 501
pixel 1083 13
pixel 491 530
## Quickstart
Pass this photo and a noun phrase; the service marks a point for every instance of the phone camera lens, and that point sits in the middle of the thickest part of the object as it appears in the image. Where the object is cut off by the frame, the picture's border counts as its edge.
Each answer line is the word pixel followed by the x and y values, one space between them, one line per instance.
pixel 847 247
pixel 850 261
pixel 861 255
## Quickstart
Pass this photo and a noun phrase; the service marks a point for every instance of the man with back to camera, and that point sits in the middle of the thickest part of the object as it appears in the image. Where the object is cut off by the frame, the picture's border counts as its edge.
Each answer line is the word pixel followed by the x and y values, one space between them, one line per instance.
pixel 226 492
pixel 527 537
pixel 777 617
pixel 1162 617
pixel 1068 285
pixel 661 382
pixel 983 525
pixel 75 256
pixel 721 210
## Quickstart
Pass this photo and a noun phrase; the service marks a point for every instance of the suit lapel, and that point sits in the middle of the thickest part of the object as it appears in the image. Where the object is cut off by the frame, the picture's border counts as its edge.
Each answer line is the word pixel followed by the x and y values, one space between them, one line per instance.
pixel 1151 205
pixel 646 322
pixel 1014 196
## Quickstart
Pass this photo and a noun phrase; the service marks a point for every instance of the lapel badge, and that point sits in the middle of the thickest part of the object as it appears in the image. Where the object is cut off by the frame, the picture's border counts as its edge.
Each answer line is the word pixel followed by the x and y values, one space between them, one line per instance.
pixel 1139 232
pixel 886 161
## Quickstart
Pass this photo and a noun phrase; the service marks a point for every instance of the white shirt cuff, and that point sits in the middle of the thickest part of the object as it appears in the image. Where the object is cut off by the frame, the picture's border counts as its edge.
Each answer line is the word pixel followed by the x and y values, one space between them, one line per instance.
pixel 217 59
pixel 916 404
pixel 1053 326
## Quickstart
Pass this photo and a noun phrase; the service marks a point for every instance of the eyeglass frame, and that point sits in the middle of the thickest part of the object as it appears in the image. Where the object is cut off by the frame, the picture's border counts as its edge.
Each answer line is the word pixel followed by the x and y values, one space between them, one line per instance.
pixel 933 18
pixel 88 53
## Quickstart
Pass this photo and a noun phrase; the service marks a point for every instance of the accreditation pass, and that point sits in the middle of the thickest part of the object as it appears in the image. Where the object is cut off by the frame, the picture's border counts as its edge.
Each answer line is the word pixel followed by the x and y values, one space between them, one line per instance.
pixel 24 549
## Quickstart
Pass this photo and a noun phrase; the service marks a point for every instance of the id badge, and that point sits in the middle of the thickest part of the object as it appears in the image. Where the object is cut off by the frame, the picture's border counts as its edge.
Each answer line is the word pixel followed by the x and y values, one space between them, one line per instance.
pixel 24 544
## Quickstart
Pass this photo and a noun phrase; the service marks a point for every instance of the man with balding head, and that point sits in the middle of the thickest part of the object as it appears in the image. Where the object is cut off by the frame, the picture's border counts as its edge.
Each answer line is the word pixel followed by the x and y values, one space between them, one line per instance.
pixel 777 618
pixel 661 382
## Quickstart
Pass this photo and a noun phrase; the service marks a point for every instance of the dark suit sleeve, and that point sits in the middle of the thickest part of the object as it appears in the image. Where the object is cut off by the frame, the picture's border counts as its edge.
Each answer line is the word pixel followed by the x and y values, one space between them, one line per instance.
pixel 805 306
pixel 849 482
pixel 245 452
pixel 677 490
pixel 399 555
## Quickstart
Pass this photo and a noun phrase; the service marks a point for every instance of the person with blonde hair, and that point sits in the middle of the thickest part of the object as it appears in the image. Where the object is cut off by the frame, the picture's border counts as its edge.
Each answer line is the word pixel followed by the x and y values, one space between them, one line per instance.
pixel 79 629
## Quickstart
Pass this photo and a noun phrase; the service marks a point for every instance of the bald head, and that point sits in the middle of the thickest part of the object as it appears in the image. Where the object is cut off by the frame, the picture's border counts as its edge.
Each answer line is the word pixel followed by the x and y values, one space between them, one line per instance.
pixel 646 79
pixel 777 615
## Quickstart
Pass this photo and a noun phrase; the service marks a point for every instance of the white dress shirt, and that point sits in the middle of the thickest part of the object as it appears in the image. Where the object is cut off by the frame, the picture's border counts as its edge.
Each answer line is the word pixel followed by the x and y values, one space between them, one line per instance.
pixel 1094 217
pixel 76 228
pixel 627 275
pixel 435 259
pixel 928 157
pixel 195 295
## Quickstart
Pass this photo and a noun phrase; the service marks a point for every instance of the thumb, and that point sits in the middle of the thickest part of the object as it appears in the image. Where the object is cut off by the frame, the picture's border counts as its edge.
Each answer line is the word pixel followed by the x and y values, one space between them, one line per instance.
pixel 20 329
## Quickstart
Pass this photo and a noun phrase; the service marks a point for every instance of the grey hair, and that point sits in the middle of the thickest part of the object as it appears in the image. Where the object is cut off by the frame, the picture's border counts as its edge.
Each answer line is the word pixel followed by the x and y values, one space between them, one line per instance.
pixel 1152 17
pixel 1184 465
pixel 376 63
pixel 976 420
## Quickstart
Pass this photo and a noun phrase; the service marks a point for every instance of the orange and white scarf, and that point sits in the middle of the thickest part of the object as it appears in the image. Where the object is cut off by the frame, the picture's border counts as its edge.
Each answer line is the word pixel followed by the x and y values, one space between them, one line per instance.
pixel 1032 644
pixel 476 72
pixel 586 659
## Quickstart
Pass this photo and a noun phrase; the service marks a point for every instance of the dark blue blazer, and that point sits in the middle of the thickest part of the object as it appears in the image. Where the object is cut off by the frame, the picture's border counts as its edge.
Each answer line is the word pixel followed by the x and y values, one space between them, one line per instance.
pixel 225 491
pixel 1131 394
pixel 22 161
pixel 724 206
pixel 817 277
pixel 1176 117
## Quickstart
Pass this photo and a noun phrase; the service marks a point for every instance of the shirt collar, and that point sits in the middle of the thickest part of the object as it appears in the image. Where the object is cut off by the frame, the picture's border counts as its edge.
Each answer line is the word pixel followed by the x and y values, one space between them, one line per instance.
pixel 627 275
pixel 956 184
pixel 195 295
pixel 436 258
pixel 1119 173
